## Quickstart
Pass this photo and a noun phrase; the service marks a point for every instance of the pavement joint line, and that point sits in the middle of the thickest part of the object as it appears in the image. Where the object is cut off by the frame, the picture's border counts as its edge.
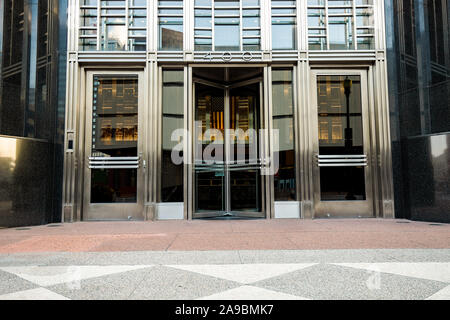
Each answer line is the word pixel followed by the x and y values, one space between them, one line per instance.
pixel 171 243
pixel 138 285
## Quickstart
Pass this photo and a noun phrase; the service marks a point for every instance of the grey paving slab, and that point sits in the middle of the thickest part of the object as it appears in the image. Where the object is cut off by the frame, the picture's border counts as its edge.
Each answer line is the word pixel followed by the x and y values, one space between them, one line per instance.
pixel 112 287
pixel 327 282
pixel 419 255
pixel 168 283
pixel 226 257
pixel 29 259
pixel 305 256
pixel 10 283
pixel 153 257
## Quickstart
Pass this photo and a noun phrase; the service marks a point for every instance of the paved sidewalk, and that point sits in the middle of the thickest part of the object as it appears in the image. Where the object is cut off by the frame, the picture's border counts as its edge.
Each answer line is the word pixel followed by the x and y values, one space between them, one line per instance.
pixel 233 259
pixel 283 234
pixel 228 275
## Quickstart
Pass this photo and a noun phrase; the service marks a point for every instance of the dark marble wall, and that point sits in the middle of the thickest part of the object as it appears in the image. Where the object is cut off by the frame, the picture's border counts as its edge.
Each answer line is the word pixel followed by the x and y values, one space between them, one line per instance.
pixel 32 106
pixel 26 184
pixel 429 177
pixel 418 54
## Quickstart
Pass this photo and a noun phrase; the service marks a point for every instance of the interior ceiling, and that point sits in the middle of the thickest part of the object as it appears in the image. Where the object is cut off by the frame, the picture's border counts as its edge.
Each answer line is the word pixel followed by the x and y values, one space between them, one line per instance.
pixel 226 75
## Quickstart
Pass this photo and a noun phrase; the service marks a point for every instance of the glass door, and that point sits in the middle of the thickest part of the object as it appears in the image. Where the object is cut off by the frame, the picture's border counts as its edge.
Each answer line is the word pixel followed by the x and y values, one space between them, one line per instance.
pixel 243 156
pixel 114 165
pixel 227 156
pixel 342 171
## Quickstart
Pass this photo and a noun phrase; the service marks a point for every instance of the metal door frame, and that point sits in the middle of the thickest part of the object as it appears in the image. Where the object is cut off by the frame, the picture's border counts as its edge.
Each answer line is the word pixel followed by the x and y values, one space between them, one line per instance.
pixel 113 211
pixel 345 209
pixel 227 185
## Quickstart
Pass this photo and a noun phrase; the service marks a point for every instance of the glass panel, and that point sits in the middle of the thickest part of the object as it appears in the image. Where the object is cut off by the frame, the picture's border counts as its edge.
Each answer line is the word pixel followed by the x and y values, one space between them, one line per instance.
pixel 111 24
pixel 171 33
pixel 283 33
pixel 173 119
pixel 340 33
pixel 343 15
pixel 209 118
pixel 226 35
pixel 114 134
pixel 114 36
pixel 244 116
pixel 284 25
pixel 170 25
pixel 245 191
pixel 283 120
pixel 340 133
pixel 210 191
pixel 113 185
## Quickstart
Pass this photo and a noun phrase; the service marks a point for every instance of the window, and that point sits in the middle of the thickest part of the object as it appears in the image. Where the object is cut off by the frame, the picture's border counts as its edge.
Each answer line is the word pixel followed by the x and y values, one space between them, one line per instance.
pixel 341 25
pixel 231 25
pixel 283 120
pixel 172 119
pixel 170 21
pixel 113 25
pixel 284 25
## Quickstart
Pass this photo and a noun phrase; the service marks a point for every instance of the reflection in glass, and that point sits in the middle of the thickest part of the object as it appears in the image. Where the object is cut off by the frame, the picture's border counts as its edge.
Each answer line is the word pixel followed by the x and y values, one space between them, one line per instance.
pixel 244 116
pixel 340 33
pixel 113 185
pixel 236 25
pixel 283 120
pixel 172 119
pixel 245 189
pixel 284 25
pixel 210 191
pixel 340 132
pixel 227 35
pixel 209 117
pixel 120 24
pixel 170 25
pixel 114 35
pixel 234 185
pixel 114 134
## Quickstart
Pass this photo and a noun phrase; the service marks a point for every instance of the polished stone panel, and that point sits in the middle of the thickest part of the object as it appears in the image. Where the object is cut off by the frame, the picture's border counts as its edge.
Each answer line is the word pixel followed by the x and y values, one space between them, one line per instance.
pixel 26 182
pixel 429 177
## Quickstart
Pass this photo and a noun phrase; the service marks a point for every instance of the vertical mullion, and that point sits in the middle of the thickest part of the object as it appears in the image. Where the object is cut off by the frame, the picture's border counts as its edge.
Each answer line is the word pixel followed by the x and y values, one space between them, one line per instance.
pixel 241 26
pixel 213 13
pixel 355 38
pixel 98 23
pixel 227 147
pixel 127 45
pixel 326 25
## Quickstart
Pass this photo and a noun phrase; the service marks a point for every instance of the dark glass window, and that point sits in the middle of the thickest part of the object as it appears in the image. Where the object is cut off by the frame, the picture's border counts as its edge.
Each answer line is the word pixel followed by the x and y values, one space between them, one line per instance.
pixel 114 134
pixel 283 121
pixel 340 132
pixel 172 119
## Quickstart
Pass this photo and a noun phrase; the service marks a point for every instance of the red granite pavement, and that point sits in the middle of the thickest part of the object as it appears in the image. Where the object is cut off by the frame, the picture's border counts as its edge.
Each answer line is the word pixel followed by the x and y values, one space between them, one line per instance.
pixel 226 235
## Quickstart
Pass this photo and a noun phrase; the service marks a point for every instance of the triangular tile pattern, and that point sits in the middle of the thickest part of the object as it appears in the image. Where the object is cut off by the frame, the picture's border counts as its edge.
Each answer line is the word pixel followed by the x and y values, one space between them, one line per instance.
pixel 437 271
pixel 33 294
pixel 443 294
pixel 243 273
pixel 46 276
pixel 251 293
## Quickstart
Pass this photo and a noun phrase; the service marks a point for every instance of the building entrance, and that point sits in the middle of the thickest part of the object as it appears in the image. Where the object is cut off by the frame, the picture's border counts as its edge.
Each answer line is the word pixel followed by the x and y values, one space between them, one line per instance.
pixel 113 179
pixel 342 139
pixel 227 147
